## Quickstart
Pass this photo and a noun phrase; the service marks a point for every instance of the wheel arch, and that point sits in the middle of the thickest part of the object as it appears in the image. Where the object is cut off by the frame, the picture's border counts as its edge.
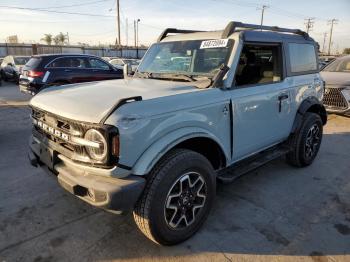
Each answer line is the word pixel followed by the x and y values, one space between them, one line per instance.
pixel 197 140
pixel 311 104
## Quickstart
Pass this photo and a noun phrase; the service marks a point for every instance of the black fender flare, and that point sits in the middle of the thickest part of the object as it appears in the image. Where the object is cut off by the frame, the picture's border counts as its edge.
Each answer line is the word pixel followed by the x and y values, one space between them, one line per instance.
pixel 311 104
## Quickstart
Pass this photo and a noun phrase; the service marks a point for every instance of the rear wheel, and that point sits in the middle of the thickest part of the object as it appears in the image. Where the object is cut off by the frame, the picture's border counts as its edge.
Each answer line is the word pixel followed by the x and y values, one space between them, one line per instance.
pixel 177 198
pixel 306 143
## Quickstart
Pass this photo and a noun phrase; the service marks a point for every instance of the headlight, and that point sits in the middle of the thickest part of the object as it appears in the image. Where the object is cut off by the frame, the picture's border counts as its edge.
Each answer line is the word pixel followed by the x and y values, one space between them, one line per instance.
pixel 96 153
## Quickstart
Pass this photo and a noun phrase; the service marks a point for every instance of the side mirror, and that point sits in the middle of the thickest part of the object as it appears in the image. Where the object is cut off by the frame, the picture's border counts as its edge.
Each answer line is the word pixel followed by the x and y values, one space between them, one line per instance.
pixel 126 70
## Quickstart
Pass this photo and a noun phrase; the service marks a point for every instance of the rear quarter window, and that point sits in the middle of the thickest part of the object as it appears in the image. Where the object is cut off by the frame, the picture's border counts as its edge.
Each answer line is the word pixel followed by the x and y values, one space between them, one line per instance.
pixel 33 62
pixel 302 58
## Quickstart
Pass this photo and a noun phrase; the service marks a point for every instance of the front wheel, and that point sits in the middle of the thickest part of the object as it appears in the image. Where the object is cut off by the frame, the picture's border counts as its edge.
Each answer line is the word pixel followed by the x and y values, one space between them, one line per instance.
pixel 177 198
pixel 306 143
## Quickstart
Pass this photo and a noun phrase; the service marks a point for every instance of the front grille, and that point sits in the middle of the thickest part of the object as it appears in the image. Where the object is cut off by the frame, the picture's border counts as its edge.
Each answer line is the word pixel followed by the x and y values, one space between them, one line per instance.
pixel 334 99
pixel 63 126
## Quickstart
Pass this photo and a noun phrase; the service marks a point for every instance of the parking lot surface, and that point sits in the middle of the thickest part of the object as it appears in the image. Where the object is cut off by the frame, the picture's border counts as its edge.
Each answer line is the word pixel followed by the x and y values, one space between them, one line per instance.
pixel 274 213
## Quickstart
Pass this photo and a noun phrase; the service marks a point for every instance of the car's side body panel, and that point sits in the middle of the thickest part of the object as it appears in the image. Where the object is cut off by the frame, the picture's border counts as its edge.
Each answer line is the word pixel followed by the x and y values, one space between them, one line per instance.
pixel 182 117
pixel 204 114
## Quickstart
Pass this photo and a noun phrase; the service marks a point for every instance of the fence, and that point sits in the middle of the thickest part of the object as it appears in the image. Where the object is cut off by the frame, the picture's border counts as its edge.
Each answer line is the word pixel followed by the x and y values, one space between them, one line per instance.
pixel 33 49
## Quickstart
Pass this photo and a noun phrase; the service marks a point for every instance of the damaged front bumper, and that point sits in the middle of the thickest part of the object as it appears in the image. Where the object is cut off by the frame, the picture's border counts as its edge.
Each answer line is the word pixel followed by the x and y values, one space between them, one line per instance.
pixel 95 186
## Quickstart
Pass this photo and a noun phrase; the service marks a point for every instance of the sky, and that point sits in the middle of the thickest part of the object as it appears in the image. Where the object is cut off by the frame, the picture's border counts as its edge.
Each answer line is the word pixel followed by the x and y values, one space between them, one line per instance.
pixel 100 26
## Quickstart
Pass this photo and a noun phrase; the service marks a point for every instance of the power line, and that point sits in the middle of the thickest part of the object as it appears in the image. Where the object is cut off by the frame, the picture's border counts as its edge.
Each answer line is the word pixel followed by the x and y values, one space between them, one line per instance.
pixel 51 11
pixel 309 22
pixel 74 5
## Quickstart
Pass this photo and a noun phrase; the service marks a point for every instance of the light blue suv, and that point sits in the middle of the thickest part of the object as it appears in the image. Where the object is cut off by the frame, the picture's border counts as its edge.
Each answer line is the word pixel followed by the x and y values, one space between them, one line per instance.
pixel 201 107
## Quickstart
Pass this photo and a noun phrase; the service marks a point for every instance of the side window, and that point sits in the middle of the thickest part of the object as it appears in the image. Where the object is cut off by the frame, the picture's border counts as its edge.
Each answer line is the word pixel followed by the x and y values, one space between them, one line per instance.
pixel 78 62
pixel 98 64
pixel 60 62
pixel 302 57
pixel 259 64
pixel 119 62
pixel 70 62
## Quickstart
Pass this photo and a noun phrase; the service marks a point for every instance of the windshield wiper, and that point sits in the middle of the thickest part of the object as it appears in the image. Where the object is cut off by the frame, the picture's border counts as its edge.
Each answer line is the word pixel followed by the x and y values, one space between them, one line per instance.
pixel 185 77
pixel 144 74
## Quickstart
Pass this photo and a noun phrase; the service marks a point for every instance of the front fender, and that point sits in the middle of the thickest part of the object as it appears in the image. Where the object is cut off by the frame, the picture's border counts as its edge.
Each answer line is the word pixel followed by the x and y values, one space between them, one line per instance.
pixel 158 149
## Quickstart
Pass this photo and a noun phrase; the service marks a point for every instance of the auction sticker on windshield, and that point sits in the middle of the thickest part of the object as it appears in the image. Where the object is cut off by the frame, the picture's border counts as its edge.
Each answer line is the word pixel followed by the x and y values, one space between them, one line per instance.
pixel 216 43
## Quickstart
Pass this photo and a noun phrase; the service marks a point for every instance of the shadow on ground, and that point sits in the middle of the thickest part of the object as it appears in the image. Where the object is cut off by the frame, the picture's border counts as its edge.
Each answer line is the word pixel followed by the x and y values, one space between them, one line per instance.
pixel 276 210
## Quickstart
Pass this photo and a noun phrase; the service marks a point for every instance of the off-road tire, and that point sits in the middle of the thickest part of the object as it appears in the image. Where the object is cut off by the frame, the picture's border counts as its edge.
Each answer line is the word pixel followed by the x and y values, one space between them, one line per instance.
pixel 297 155
pixel 149 213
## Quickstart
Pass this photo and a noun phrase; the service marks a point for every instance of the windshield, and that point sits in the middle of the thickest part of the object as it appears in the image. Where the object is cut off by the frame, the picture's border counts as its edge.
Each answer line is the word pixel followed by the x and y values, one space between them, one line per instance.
pixel 21 60
pixel 339 65
pixel 194 57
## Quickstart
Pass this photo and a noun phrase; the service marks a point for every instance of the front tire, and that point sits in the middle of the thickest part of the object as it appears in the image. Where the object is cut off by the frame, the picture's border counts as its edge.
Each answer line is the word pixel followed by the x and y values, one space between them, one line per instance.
pixel 177 199
pixel 306 143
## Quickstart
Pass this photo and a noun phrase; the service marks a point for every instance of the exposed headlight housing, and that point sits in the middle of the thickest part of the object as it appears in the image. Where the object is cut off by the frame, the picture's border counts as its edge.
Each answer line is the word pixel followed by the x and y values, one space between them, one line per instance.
pixel 96 153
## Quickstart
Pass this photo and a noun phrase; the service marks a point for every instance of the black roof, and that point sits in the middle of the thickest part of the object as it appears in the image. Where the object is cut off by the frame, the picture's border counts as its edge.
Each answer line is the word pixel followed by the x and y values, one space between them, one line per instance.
pixel 63 55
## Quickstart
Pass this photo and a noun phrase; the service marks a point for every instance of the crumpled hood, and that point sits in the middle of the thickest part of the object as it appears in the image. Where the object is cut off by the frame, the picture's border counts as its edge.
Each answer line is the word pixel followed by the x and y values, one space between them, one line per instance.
pixel 90 102
pixel 336 78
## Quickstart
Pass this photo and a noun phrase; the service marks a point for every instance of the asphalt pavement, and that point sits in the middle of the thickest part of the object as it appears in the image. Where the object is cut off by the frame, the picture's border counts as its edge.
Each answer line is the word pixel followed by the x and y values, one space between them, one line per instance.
pixel 276 213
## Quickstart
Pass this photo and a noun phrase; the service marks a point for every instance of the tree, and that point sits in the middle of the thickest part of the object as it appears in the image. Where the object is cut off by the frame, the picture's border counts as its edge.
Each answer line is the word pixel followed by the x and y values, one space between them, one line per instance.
pixel 60 39
pixel 346 51
pixel 48 38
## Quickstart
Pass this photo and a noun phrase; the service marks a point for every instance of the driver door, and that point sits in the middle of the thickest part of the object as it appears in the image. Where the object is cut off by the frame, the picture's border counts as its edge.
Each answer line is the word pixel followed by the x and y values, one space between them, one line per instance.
pixel 261 100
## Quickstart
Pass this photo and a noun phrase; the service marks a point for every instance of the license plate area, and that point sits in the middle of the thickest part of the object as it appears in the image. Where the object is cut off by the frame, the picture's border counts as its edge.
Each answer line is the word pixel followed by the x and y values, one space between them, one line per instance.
pixel 48 156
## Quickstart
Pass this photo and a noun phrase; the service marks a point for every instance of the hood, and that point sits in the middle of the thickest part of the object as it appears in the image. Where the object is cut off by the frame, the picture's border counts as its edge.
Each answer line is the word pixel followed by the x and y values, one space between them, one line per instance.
pixel 336 78
pixel 90 102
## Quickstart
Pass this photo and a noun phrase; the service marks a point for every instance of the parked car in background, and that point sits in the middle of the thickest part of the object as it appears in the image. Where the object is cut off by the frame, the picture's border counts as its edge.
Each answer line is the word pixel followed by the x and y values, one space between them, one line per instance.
pixel 108 58
pixel 11 67
pixel 325 60
pixel 337 92
pixel 43 71
pixel 120 62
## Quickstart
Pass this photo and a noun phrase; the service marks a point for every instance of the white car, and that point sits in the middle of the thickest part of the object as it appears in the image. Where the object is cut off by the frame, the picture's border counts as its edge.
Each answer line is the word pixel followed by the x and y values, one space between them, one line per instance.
pixel 120 62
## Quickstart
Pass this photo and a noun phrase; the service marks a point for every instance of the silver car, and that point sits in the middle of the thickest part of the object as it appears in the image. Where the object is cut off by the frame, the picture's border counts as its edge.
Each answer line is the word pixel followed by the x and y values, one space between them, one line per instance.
pixel 337 90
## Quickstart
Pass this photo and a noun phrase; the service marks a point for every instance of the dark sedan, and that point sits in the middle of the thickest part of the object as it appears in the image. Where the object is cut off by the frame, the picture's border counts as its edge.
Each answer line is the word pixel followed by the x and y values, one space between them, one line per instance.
pixel 43 71
pixel 337 92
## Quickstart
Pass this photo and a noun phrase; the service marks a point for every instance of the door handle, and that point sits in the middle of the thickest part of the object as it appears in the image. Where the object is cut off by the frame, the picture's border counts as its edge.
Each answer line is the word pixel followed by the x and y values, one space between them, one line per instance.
pixel 280 99
pixel 67 70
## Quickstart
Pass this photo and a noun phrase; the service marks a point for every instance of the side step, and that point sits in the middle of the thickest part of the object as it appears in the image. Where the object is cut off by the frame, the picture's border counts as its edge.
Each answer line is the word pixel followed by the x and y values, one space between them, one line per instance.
pixel 229 174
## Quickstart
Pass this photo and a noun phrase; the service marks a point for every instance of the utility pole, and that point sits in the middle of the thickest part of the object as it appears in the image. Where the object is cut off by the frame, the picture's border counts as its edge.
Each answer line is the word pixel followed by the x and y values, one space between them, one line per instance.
pixel 117 42
pixel 324 41
pixel 262 13
pixel 309 22
pixel 137 38
pixel 67 38
pixel 135 33
pixel 331 22
pixel 127 31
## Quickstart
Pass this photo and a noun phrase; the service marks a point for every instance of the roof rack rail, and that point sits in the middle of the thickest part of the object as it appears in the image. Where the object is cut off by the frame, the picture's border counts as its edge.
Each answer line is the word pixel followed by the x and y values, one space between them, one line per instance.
pixel 175 31
pixel 232 26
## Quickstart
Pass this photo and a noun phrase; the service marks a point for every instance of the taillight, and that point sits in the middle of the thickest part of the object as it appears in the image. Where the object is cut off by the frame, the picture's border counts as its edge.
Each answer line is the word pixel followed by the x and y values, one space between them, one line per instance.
pixel 33 73
pixel 115 146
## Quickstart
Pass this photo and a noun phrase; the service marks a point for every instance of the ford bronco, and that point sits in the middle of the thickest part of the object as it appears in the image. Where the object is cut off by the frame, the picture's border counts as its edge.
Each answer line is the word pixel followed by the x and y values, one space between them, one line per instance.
pixel 202 107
